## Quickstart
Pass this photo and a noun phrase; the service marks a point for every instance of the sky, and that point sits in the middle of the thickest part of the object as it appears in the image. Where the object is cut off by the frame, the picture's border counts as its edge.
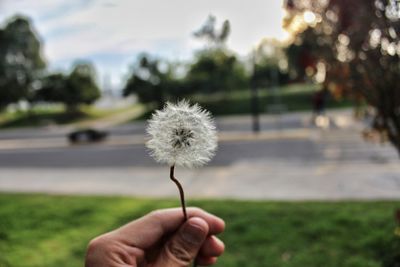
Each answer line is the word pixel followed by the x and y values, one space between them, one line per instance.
pixel 111 33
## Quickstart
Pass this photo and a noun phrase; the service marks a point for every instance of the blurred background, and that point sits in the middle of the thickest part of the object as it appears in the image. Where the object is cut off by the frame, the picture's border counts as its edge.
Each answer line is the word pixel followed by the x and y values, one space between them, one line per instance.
pixel 305 94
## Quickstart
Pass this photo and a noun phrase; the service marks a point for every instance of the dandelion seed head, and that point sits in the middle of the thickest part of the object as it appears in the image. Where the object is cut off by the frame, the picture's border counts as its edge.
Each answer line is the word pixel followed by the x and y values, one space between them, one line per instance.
pixel 182 134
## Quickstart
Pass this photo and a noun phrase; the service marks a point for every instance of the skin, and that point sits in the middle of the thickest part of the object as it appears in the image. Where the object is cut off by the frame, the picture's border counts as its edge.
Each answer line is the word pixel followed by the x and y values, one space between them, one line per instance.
pixel 160 238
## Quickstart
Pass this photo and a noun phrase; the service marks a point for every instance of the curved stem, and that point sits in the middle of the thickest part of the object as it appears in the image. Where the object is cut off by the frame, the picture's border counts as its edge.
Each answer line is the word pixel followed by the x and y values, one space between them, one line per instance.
pixel 182 196
pixel 181 192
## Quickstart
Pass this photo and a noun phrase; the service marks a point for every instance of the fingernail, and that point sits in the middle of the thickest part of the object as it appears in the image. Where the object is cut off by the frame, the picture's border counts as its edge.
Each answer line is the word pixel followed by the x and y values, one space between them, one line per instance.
pixel 193 231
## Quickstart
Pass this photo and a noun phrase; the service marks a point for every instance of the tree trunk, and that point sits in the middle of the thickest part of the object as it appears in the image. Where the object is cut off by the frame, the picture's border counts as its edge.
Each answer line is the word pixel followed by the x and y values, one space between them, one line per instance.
pixel 394 131
pixel 160 98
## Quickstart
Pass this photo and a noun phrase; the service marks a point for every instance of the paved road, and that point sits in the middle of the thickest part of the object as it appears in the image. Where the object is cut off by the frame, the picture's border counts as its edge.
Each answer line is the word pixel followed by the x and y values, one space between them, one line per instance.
pixel 104 156
pixel 317 148
pixel 225 124
pixel 315 164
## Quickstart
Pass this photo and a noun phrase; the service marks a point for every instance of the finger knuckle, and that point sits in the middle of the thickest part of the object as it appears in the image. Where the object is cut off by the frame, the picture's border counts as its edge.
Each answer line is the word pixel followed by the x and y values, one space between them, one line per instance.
pixel 179 253
pixel 95 243
pixel 94 248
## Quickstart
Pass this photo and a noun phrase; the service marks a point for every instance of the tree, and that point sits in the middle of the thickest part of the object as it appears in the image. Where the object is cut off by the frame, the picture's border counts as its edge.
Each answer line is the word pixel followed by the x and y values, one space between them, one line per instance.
pixel 53 87
pixel 152 80
pixel 216 71
pixel 78 88
pixel 301 61
pixel 270 64
pixel 211 34
pixel 355 44
pixel 21 61
pixel 81 86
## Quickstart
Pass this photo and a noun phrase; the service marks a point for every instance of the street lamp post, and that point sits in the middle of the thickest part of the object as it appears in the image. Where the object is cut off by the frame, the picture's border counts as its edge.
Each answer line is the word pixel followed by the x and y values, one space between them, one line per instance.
pixel 254 99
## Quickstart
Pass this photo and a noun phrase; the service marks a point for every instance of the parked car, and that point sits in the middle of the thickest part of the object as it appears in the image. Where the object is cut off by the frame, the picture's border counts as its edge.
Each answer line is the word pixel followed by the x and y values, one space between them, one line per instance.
pixel 87 136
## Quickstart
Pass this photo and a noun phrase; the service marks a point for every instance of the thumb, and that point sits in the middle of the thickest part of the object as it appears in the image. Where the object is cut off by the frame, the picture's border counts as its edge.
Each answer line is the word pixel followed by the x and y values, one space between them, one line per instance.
pixel 184 245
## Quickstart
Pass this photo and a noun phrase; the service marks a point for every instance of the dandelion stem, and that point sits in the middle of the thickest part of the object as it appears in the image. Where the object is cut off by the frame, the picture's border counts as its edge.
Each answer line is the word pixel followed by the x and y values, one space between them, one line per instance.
pixel 181 193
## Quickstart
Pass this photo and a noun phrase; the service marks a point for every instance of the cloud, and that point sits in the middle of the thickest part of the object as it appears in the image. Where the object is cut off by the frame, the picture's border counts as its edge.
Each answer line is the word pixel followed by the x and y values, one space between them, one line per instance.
pixel 91 28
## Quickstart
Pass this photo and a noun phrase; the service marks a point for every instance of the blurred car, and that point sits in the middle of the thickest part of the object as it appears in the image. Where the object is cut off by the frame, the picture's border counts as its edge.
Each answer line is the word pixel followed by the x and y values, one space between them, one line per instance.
pixel 87 136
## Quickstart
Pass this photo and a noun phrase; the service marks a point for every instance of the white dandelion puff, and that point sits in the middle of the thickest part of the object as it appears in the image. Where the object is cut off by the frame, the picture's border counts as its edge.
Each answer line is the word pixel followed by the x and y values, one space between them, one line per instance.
pixel 182 135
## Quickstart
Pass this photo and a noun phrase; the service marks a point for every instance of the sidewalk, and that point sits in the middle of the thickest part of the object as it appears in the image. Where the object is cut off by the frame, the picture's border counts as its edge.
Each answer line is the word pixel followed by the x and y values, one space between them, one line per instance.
pixel 296 180
pixel 315 164
pixel 345 168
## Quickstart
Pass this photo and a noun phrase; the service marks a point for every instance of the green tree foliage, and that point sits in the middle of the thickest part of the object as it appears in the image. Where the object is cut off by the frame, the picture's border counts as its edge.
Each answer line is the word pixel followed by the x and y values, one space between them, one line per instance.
pixel 21 60
pixel 78 88
pixel 53 87
pixel 357 45
pixel 216 70
pixel 211 34
pixel 81 85
pixel 152 80
pixel 269 64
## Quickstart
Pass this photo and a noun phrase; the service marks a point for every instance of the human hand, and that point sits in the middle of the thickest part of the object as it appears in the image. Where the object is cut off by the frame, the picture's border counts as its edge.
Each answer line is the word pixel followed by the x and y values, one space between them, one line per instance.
pixel 160 238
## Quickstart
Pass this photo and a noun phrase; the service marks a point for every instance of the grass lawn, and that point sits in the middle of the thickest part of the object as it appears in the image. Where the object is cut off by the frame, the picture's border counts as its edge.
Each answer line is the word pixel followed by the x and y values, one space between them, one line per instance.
pixel 57 115
pixel 41 230
pixel 295 97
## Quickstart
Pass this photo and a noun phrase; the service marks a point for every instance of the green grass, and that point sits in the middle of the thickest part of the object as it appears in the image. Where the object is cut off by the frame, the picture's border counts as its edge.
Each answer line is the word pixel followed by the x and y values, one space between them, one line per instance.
pixel 295 97
pixel 41 230
pixel 55 115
